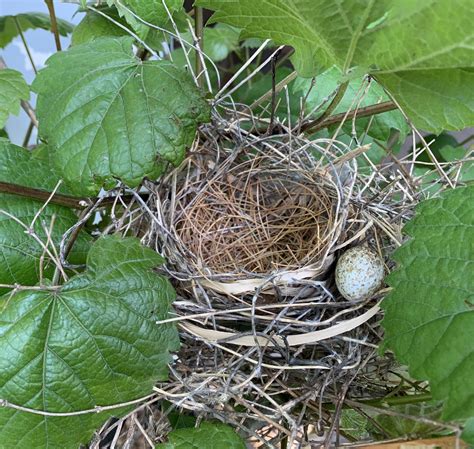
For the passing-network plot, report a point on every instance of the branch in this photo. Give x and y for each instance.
(374, 109)
(43, 195)
(60, 199)
(54, 23)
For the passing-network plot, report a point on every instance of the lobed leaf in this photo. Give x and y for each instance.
(381, 38)
(108, 116)
(92, 342)
(13, 89)
(429, 315)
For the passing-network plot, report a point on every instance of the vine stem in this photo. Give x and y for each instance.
(374, 109)
(54, 23)
(43, 195)
(199, 30)
(27, 48)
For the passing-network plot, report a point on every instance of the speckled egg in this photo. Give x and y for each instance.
(359, 273)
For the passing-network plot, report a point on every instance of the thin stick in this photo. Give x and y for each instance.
(54, 24)
(284, 82)
(27, 137)
(96, 409)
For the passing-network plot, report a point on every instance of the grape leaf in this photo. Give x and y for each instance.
(327, 83)
(13, 89)
(107, 115)
(208, 435)
(429, 315)
(422, 55)
(20, 253)
(91, 342)
(27, 21)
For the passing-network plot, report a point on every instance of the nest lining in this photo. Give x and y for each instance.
(256, 218)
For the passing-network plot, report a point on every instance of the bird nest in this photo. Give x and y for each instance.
(251, 226)
(244, 218)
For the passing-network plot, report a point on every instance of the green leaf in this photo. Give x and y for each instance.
(207, 436)
(429, 315)
(13, 89)
(151, 11)
(468, 432)
(422, 55)
(400, 427)
(219, 41)
(28, 21)
(327, 83)
(20, 252)
(94, 26)
(107, 115)
(92, 342)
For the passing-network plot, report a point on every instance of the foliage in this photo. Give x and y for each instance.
(428, 73)
(155, 12)
(94, 26)
(13, 89)
(111, 112)
(432, 333)
(107, 116)
(21, 253)
(207, 435)
(31, 20)
(93, 341)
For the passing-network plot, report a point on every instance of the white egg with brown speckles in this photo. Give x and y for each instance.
(359, 273)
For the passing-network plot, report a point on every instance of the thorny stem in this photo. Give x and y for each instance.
(54, 23)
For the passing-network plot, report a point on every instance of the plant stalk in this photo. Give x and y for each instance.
(374, 109)
(54, 23)
(199, 30)
(22, 36)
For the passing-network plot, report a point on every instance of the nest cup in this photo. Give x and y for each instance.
(245, 219)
